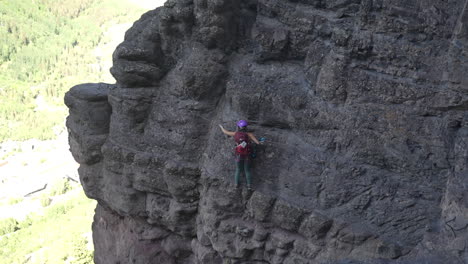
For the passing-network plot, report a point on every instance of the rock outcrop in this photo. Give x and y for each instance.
(364, 105)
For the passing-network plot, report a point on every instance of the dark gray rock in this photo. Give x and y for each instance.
(260, 206)
(364, 105)
(286, 216)
(315, 226)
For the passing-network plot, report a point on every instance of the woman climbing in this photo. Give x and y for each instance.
(242, 150)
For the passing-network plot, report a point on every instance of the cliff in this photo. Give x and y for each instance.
(364, 105)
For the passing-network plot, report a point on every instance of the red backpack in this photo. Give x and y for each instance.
(243, 143)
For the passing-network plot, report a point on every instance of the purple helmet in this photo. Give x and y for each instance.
(242, 123)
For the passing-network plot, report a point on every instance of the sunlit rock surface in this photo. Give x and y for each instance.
(364, 105)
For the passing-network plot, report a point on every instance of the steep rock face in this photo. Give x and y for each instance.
(364, 104)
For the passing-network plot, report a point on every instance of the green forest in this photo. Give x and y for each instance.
(57, 235)
(46, 48)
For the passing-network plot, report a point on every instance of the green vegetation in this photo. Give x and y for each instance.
(26, 222)
(46, 47)
(57, 236)
(80, 254)
(45, 200)
(15, 200)
(61, 186)
(8, 225)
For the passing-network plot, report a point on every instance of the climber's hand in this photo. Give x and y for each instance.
(261, 141)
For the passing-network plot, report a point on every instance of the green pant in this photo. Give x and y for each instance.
(245, 164)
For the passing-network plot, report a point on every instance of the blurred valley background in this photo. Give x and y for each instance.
(46, 47)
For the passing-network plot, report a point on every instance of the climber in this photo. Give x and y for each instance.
(242, 150)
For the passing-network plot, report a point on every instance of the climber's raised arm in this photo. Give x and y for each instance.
(229, 133)
(253, 138)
